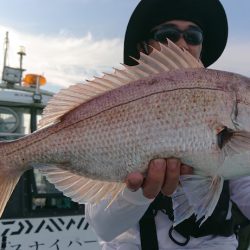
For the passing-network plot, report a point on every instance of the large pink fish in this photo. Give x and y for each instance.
(94, 134)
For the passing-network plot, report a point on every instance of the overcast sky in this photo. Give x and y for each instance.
(72, 40)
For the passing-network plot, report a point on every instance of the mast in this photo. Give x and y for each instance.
(6, 48)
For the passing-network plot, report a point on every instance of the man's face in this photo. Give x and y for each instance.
(191, 30)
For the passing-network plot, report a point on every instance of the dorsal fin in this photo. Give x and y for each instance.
(169, 57)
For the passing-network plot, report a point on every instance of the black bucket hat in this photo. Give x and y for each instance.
(209, 15)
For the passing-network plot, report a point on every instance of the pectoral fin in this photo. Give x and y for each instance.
(233, 142)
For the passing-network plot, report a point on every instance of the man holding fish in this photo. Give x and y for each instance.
(141, 217)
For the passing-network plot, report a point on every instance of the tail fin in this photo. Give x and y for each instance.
(8, 180)
(7, 185)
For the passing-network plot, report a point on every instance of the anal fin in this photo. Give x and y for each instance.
(79, 188)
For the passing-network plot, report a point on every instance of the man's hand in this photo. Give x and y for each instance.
(163, 175)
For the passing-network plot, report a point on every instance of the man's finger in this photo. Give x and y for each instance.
(185, 169)
(172, 176)
(155, 178)
(134, 181)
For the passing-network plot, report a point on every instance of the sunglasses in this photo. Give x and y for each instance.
(192, 35)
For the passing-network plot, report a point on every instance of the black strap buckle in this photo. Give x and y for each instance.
(174, 240)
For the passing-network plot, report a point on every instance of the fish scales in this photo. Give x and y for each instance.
(95, 143)
(118, 129)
